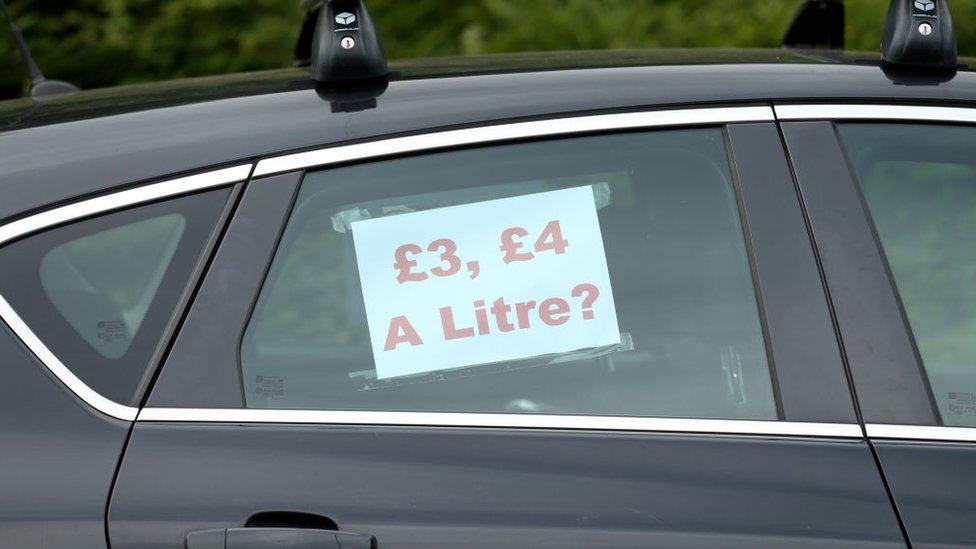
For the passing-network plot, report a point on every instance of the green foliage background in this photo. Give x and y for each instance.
(97, 43)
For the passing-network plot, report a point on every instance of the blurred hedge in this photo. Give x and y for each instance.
(96, 43)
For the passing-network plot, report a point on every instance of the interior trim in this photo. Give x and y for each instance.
(499, 420)
(85, 208)
(506, 132)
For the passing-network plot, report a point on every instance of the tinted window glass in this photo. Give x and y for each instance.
(920, 186)
(82, 279)
(598, 275)
(99, 292)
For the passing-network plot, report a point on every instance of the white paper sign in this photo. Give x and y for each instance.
(485, 282)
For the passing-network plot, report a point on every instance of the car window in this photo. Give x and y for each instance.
(80, 277)
(919, 182)
(99, 292)
(602, 275)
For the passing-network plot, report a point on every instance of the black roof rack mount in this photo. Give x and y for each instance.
(919, 34)
(346, 46)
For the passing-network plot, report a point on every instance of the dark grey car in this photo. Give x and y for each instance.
(773, 345)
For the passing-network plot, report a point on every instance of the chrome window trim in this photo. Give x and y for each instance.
(500, 420)
(921, 432)
(874, 112)
(505, 132)
(85, 208)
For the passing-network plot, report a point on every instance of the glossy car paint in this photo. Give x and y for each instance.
(59, 161)
(59, 456)
(933, 489)
(415, 488)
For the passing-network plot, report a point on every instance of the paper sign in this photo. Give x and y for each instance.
(485, 282)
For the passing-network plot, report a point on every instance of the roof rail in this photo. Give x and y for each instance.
(818, 24)
(919, 34)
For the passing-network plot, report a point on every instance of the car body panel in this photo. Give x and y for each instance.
(24, 112)
(933, 489)
(58, 161)
(414, 486)
(58, 457)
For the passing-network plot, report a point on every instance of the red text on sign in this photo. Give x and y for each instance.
(401, 331)
(499, 316)
(551, 238)
(404, 261)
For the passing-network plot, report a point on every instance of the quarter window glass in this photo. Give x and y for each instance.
(82, 279)
(920, 186)
(99, 292)
(597, 275)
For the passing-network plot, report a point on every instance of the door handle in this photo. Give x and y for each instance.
(283, 538)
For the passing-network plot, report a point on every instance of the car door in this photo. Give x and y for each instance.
(592, 331)
(891, 192)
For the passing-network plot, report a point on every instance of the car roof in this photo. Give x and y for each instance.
(21, 113)
(66, 147)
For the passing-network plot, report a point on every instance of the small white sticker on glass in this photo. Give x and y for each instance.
(485, 282)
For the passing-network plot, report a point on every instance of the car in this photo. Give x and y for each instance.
(575, 299)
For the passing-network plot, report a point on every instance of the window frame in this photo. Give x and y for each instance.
(165, 406)
(76, 211)
(894, 395)
(677, 139)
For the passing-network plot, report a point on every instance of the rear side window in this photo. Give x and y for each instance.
(99, 292)
(919, 182)
(83, 281)
(600, 275)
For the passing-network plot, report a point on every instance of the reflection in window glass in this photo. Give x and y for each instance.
(687, 342)
(102, 284)
(920, 186)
